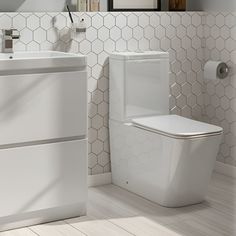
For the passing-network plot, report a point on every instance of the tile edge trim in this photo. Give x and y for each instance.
(224, 169)
(100, 179)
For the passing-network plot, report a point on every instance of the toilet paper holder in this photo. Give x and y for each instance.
(222, 70)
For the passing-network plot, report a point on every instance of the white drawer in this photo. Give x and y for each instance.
(40, 177)
(42, 106)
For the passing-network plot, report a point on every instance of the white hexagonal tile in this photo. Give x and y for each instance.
(40, 35)
(186, 20)
(121, 21)
(132, 44)
(149, 32)
(121, 45)
(127, 33)
(132, 20)
(97, 21)
(191, 100)
(220, 114)
(5, 21)
(103, 134)
(92, 110)
(33, 22)
(103, 158)
(97, 46)
(165, 20)
(115, 33)
(186, 42)
(19, 22)
(92, 59)
(220, 20)
(97, 147)
(138, 32)
(165, 44)
(97, 170)
(196, 19)
(143, 20)
(92, 135)
(26, 36)
(230, 92)
(186, 89)
(160, 32)
(91, 34)
(170, 31)
(85, 47)
(175, 20)
(33, 46)
(109, 21)
(154, 20)
(109, 46)
(103, 33)
(225, 103)
(97, 97)
(92, 160)
(103, 58)
(191, 31)
(230, 44)
(97, 122)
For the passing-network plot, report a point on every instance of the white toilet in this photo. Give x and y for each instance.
(165, 158)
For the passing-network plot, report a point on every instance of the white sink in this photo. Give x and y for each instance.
(33, 62)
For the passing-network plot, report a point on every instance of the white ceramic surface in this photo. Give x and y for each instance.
(139, 85)
(171, 172)
(170, 167)
(177, 126)
(39, 60)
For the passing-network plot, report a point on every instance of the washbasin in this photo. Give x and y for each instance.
(33, 62)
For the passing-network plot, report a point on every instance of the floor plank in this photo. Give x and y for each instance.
(97, 227)
(59, 228)
(114, 211)
(18, 232)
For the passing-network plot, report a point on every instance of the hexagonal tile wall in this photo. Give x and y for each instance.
(220, 95)
(181, 34)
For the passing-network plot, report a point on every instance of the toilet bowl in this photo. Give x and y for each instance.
(167, 159)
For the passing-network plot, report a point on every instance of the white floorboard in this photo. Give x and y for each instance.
(114, 211)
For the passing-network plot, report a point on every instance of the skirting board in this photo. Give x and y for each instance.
(97, 180)
(225, 169)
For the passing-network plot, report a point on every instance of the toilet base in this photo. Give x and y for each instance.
(168, 171)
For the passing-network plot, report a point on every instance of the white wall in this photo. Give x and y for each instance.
(35, 5)
(212, 5)
(58, 5)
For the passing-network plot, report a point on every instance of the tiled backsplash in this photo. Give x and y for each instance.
(220, 95)
(181, 34)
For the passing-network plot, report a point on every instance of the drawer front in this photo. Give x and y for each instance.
(42, 106)
(42, 177)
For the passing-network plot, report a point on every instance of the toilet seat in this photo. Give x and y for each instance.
(177, 127)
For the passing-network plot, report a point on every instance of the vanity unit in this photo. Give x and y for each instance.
(43, 138)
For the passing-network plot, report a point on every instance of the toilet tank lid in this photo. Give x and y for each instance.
(177, 126)
(139, 55)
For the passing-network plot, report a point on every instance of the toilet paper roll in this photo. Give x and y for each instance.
(216, 70)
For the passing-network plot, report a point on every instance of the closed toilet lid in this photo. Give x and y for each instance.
(177, 126)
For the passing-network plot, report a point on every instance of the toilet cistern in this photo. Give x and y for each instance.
(8, 36)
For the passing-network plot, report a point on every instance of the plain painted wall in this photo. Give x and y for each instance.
(212, 5)
(59, 5)
(35, 5)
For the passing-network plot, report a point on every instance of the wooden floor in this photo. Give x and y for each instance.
(113, 211)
